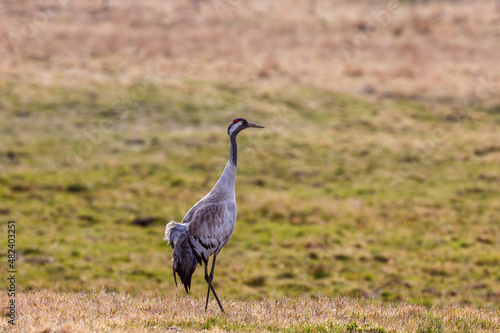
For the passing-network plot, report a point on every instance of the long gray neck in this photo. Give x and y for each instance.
(233, 156)
(226, 182)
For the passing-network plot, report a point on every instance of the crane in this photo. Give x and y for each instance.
(209, 224)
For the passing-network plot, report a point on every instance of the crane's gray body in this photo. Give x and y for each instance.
(212, 220)
(205, 229)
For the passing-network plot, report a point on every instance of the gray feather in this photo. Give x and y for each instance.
(184, 261)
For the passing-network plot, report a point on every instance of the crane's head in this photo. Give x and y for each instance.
(238, 125)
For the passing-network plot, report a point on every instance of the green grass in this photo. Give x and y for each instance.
(389, 200)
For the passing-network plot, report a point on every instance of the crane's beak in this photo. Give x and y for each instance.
(254, 125)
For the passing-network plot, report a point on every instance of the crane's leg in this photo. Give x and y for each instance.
(210, 286)
(207, 278)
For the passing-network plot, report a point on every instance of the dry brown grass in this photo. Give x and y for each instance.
(50, 311)
(439, 50)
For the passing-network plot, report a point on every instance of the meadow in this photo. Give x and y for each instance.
(99, 311)
(374, 189)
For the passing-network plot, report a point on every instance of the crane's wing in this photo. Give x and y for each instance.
(210, 227)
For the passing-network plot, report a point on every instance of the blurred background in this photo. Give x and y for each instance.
(377, 175)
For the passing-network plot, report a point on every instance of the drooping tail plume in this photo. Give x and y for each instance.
(184, 261)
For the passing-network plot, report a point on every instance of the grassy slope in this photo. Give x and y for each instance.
(45, 311)
(391, 200)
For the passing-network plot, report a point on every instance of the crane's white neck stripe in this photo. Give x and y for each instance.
(234, 127)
